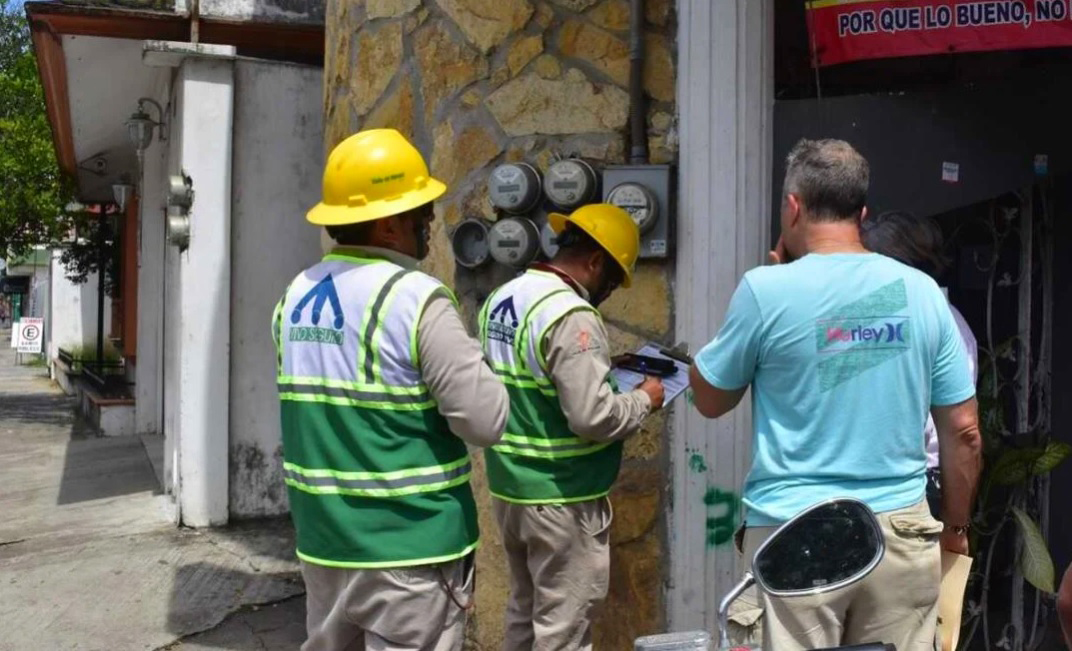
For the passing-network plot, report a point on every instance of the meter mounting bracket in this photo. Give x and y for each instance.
(658, 241)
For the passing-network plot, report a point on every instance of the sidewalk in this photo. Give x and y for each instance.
(89, 561)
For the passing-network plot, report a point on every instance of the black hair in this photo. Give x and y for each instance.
(573, 242)
(360, 234)
(915, 241)
(830, 177)
(352, 234)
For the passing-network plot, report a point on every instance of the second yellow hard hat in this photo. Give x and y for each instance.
(611, 227)
(372, 175)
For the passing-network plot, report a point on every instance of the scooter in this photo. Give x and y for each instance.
(797, 560)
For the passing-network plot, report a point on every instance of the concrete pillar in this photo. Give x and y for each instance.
(725, 97)
(207, 88)
(149, 372)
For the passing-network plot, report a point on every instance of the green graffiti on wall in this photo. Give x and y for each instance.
(696, 463)
(722, 516)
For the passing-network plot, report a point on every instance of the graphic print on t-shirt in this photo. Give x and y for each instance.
(862, 335)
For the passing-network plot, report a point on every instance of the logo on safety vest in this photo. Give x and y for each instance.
(321, 293)
(502, 322)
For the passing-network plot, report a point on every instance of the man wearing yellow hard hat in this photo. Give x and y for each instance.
(380, 389)
(551, 473)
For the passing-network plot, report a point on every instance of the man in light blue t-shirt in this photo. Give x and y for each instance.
(846, 351)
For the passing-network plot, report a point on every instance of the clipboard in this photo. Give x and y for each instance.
(955, 572)
(673, 385)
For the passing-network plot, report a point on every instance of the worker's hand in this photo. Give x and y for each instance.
(950, 541)
(779, 255)
(653, 386)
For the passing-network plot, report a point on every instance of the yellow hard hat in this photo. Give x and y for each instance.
(372, 175)
(611, 227)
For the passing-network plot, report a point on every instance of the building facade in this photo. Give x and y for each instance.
(213, 228)
(479, 83)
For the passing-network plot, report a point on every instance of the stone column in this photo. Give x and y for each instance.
(479, 82)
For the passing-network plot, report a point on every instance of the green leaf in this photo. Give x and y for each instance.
(35, 192)
(1035, 562)
(1014, 466)
(1020, 464)
(1055, 453)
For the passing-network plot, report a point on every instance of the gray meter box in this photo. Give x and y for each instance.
(656, 243)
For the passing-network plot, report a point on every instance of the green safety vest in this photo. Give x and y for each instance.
(539, 460)
(374, 474)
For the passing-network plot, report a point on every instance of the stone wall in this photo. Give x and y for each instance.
(475, 83)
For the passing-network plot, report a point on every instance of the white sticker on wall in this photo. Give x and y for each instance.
(951, 172)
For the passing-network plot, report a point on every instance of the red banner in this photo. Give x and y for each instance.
(853, 30)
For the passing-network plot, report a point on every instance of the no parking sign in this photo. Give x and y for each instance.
(31, 334)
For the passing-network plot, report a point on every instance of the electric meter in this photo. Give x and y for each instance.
(514, 241)
(570, 183)
(548, 243)
(644, 191)
(470, 243)
(638, 201)
(514, 187)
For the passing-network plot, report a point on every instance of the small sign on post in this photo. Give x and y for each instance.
(15, 334)
(31, 335)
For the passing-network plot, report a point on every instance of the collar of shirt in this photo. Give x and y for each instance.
(566, 278)
(401, 259)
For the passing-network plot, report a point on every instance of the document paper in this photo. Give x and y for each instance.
(673, 385)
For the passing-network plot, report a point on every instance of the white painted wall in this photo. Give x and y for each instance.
(73, 310)
(726, 99)
(278, 153)
(149, 372)
(207, 90)
(171, 330)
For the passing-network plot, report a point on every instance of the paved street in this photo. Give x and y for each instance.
(88, 559)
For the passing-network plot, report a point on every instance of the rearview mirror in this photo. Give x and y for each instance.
(828, 546)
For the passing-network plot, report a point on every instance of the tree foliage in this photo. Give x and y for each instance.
(81, 256)
(34, 191)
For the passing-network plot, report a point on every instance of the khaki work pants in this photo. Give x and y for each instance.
(559, 558)
(896, 604)
(401, 609)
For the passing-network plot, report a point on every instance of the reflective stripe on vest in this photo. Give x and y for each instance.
(541, 448)
(360, 377)
(539, 300)
(375, 476)
(378, 484)
(539, 460)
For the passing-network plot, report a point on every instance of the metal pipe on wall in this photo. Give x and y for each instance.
(638, 119)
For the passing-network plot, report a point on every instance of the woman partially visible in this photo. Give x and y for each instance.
(918, 242)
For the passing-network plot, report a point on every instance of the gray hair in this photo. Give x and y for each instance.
(830, 178)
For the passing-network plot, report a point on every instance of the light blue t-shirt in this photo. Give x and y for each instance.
(846, 353)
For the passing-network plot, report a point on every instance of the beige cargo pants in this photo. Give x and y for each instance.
(403, 609)
(896, 604)
(559, 558)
